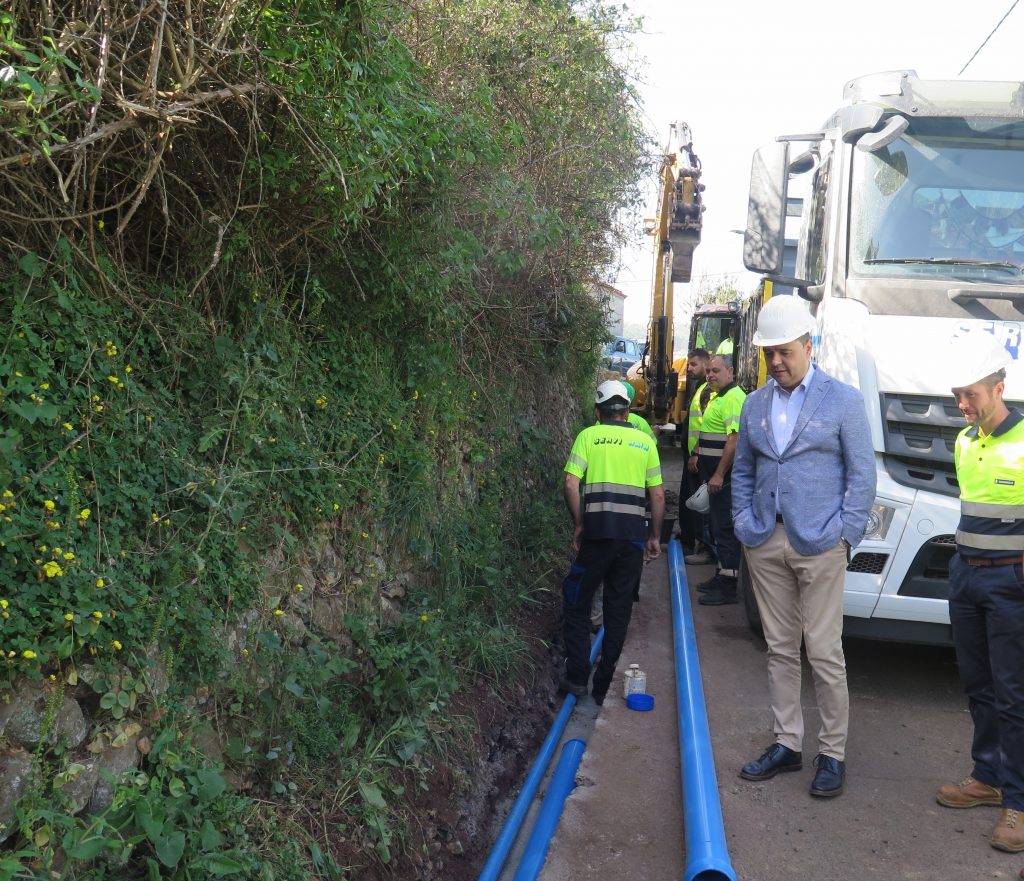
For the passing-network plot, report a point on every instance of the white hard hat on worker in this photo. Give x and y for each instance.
(781, 320)
(612, 394)
(975, 356)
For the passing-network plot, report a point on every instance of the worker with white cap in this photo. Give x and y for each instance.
(986, 585)
(620, 471)
(803, 483)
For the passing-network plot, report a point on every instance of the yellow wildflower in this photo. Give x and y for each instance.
(53, 524)
(415, 394)
(84, 514)
(68, 555)
(298, 588)
(53, 570)
(153, 516)
(113, 379)
(68, 426)
(7, 494)
(49, 504)
(115, 644)
(245, 653)
(4, 604)
(424, 618)
(97, 615)
(95, 398)
(336, 506)
(44, 386)
(366, 535)
(321, 402)
(100, 224)
(278, 613)
(69, 616)
(127, 368)
(100, 582)
(28, 654)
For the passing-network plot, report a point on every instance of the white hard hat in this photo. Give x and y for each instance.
(781, 320)
(699, 501)
(610, 389)
(974, 356)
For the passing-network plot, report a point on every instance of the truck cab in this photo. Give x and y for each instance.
(911, 234)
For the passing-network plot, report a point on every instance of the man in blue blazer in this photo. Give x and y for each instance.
(803, 483)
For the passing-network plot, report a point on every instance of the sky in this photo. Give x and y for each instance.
(741, 72)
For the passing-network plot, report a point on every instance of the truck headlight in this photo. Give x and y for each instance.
(878, 522)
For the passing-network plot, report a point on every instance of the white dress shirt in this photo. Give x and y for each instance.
(785, 412)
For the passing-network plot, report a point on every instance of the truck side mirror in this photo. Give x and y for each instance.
(764, 237)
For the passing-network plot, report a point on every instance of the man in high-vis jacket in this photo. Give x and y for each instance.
(691, 524)
(716, 449)
(986, 586)
(620, 471)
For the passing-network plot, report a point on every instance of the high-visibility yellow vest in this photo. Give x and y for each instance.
(616, 464)
(721, 419)
(990, 470)
(707, 395)
(638, 421)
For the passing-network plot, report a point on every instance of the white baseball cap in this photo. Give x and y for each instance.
(610, 389)
(781, 320)
(974, 356)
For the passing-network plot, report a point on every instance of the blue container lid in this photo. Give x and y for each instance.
(641, 702)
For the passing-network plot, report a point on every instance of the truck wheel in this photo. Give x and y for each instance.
(749, 601)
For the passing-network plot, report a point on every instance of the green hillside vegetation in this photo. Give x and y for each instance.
(297, 333)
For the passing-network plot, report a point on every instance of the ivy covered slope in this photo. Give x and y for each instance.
(296, 320)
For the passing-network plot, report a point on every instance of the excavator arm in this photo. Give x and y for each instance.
(677, 231)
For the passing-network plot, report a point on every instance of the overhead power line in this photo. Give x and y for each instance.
(989, 37)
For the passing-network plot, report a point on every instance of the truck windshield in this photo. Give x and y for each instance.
(944, 201)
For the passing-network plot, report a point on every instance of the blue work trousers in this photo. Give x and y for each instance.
(986, 609)
(619, 564)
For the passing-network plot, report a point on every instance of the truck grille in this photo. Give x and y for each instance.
(869, 564)
(920, 434)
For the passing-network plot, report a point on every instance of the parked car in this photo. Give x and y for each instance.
(622, 353)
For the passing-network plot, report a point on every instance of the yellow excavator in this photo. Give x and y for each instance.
(676, 231)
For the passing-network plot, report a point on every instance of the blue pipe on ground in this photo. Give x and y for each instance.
(707, 856)
(514, 820)
(563, 781)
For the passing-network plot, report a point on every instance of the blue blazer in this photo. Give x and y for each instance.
(825, 477)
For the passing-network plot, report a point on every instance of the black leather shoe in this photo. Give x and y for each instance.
(775, 759)
(828, 779)
(718, 598)
(713, 583)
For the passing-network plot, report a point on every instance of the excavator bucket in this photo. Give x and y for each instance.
(683, 244)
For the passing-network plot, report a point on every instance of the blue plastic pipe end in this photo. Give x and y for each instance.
(510, 830)
(563, 781)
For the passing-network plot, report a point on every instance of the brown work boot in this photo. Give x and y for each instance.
(1009, 832)
(969, 793)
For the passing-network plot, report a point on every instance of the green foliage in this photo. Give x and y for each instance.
(324, 288)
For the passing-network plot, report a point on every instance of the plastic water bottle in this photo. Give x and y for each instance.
(634, 681)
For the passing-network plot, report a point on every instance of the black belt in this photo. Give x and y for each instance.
(991, 561)
(778, 519)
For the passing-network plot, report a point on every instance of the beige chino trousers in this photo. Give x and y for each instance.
(802, 597)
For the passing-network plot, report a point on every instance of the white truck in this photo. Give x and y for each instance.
(912, 232)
